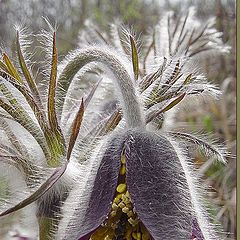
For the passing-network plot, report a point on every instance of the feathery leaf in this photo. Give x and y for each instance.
(208, 147)
(170, 105)
(31, 83)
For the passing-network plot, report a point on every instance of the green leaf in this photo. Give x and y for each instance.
(188, 79)
(52, 116)
(52, 89)
(75, 129)
(174, 102)
(11, 69)
(48, 184)
(134, 57)
(55, 145)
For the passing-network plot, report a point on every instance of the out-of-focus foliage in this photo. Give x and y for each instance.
(70, 15)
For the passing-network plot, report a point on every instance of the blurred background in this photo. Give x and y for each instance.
(216, 117)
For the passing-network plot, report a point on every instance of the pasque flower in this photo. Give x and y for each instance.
(139, 184)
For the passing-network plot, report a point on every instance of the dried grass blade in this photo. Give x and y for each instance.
(146, 55)
(21, 148)
(183, 27)
(199, 35)
(169, 36)
(100, 35)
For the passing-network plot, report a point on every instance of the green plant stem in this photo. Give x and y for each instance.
(45, 226)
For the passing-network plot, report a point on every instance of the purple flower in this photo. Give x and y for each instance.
(140, 192)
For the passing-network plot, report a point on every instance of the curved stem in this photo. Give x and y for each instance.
(131, 108)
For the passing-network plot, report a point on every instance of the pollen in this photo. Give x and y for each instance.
(122, 222)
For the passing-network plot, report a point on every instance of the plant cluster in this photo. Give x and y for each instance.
(76, 163)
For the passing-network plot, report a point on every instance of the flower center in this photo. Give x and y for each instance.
(122, 222)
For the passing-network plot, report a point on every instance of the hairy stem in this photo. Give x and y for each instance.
(129, 100)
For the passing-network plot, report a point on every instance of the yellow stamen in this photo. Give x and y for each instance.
(125, 210)
(123, 159)
(121, 205)
(122, 170)
(139, 236)
(121, 187)
(117, 199)
(113, 213)
(107, 238)
(132, 221)
(130, 214)
(114, 206)
(145, 236)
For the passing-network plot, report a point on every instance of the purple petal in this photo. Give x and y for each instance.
(87, 237)
(158, 187)
(101, 196)
(196, 231)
